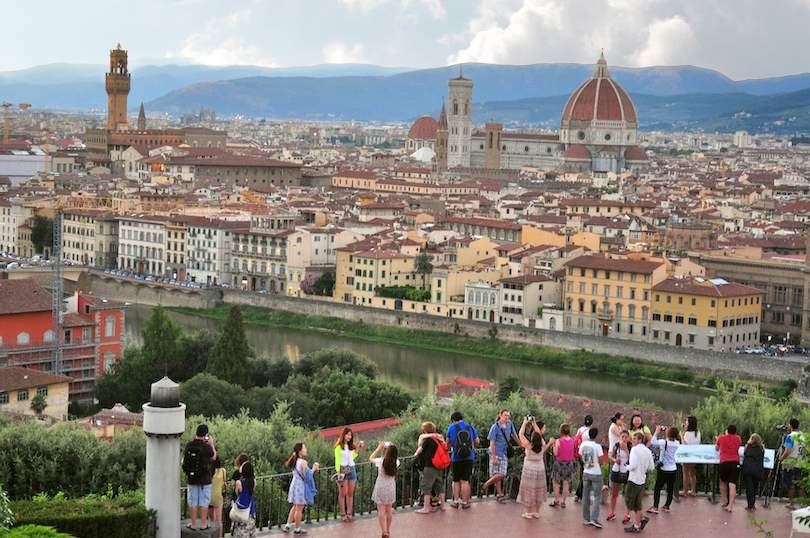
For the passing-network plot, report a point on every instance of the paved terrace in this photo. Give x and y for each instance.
(691, 518)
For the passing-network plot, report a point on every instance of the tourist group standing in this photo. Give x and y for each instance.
(633, 452)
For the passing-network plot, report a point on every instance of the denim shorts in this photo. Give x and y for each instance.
(351, 476)
(199, 495)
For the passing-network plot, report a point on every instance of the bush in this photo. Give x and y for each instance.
(753, 412)
(124, 516)
(67, 459)
(34, 531)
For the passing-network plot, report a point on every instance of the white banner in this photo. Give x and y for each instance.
(707, 454)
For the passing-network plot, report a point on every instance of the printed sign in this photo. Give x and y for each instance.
(707, 454)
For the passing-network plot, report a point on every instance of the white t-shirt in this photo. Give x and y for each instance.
(614, 438)
(590, 453)
(347, 456)
(667, 456)
(691, 438)
(622, 457)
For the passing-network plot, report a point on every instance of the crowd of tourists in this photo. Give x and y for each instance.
(633, 453)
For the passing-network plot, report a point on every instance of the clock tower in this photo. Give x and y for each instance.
(117, 90)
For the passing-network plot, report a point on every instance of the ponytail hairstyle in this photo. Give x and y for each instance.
(294, 458)
(537, 442)
(249, 476)
(615, 418)
(389, 464)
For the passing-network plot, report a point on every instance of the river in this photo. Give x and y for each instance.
(423, 369)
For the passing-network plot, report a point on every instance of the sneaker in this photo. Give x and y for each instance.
(625, 520)
(299, 531)
(611, 516)
(287, 527)
(644, 522)
(586, 522)
(652, 510)
(665, 509)
(596, 524)
(632, 528)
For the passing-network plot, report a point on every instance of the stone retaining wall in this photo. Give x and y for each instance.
(730, 366)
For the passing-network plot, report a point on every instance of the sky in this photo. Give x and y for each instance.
(742, 39)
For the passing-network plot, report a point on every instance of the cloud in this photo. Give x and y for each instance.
(207, 47)
(338, 53)
(435, 7)
(670, 42)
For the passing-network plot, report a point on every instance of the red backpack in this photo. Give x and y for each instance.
(578, 442)
(441, 459)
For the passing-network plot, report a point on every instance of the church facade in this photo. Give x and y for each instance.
(598, 133)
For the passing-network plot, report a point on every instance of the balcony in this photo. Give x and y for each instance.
(605, 315)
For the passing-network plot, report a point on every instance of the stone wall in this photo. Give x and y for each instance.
(731, 366)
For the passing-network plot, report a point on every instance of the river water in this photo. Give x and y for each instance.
(422, 369)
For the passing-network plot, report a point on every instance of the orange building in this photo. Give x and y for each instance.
(27, 338)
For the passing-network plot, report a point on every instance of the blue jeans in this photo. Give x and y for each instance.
(591, 481)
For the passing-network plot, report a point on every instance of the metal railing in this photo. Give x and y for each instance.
(272, 508)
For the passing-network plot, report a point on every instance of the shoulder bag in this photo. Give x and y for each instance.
(510, 450)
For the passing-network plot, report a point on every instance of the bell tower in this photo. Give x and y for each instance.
(459, 120)
(442, 133)
(117, 90)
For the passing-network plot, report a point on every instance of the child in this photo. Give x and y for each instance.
(385, 489)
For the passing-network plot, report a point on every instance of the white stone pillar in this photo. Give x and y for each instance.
(164, 421)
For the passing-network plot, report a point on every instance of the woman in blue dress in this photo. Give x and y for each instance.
(297, 495)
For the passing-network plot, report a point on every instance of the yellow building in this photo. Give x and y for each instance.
(610, 297)
(18, 386)
(705, 314)
(539, 236)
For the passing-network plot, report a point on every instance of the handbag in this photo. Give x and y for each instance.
(239, 515)
(659, 464)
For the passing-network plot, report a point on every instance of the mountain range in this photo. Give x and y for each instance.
(667, 98)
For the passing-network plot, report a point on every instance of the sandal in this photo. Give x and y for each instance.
(527, 515)
(562, 504)
(555, 504)
(501, 499)
(344, 518)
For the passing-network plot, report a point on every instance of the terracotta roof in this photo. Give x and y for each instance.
(577, 151)
(424, 128)
(600, 262)
(73, 319)
(19, 296)
(16, 378)
(600, 98)
(707, 288)
(635, 153)
(525, 279)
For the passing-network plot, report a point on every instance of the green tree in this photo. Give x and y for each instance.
(509, 384)
(209, 396)
(38, 404)
(325, 285)
(335, 358)
(229, 358)
(162, 341)
(42, 233)
(264, 372)
(194, 356)
(423, 265)
(350, 398)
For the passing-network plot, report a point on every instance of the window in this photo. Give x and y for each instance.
(594, 289)
(656, 316)
(667, 335)
(668, 318)
(712, 323)
(669, 298)
(607, 290)
(23, 338)
(694, 301)
(691, 338)
(22, 395)
(714, 303)
(632, 293)
(581, 288)
(655, 334)
(692, 320)
(3, 398)
(607, 275)
(619, 291)
(679, 318)
(631, 312)
(657, 297)
(42, 391)
(680, 300)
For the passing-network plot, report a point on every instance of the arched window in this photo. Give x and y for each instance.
(645, 312)
(109, 360)
(23, 338)
(455, 113)
(48, 336)
(552, 324)
(470, 297)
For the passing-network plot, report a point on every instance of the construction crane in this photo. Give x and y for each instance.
(6, 105)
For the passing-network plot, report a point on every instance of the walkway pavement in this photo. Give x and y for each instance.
(692, 518)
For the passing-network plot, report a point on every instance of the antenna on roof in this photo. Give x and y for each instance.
(461, 70)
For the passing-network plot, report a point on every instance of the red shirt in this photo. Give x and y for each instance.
(729, 447)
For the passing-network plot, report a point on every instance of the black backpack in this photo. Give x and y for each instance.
(194, 461)
(463, 448)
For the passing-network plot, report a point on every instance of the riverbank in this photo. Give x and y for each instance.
(492, 347)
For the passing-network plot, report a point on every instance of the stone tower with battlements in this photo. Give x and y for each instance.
(459, 121)
(117, 90)
(492, 146)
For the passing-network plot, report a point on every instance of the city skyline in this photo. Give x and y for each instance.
(741, 40)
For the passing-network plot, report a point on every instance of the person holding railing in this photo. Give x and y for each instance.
(432, 478)
(753, 467)
(729, 445)
(245, 489)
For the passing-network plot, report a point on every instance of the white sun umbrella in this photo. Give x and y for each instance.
(424, 154)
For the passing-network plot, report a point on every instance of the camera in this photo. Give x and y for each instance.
(387, 444)
(781, 428)
(530, 417)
